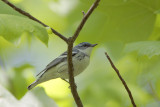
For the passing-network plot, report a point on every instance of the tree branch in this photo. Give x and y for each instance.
(71, 75)
(70, 46)
(122, 80)
(33, 18)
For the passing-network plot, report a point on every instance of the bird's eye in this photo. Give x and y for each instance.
(85, 45)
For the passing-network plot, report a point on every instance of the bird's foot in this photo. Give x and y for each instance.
(68, 83)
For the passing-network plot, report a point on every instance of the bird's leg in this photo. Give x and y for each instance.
(67, 82)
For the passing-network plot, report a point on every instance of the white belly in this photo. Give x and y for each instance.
(79, 64)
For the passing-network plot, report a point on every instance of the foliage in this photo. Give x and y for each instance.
(11, 29)
(129, 30)
(149, 48)
(36, 98)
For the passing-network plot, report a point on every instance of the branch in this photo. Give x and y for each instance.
(70, 46)
(83, 13)
(122, 80)
(86, 16)
(71, 75)
(33, 18)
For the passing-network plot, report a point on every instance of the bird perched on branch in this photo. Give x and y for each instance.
(58, 68)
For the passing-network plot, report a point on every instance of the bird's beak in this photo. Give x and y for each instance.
(93, 45)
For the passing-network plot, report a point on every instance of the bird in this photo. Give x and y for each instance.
(58, 68)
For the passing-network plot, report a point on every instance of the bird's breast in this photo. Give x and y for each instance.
(80, 63)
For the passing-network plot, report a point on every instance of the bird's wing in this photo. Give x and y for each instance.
(58, 60)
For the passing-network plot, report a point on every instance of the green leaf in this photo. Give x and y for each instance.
(122, 20)
(12, 27)
(34, 98)
(19, 81)
(5, 9)
(149, 48)
(156, 32)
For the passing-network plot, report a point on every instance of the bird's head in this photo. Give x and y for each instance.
(85, 47)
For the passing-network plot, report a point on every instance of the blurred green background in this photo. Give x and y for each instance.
(129, 30)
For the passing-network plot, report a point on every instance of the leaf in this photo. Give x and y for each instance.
(12, 27)
(4, 44)
(122, 20)
(18, 82)
(156, 32)
(5, 9)
(34, 98)
(149, 48)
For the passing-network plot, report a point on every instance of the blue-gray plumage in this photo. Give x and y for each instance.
(58, 68)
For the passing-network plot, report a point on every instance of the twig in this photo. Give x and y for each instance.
(83, 13)
(33, 18)
(86, 16)
(122, 80)
(70, 46)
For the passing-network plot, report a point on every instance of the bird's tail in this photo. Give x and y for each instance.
(33, 85)
(42, 79)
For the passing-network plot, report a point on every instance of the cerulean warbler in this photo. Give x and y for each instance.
(58, 68)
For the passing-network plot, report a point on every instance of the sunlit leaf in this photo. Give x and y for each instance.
(12, 27)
